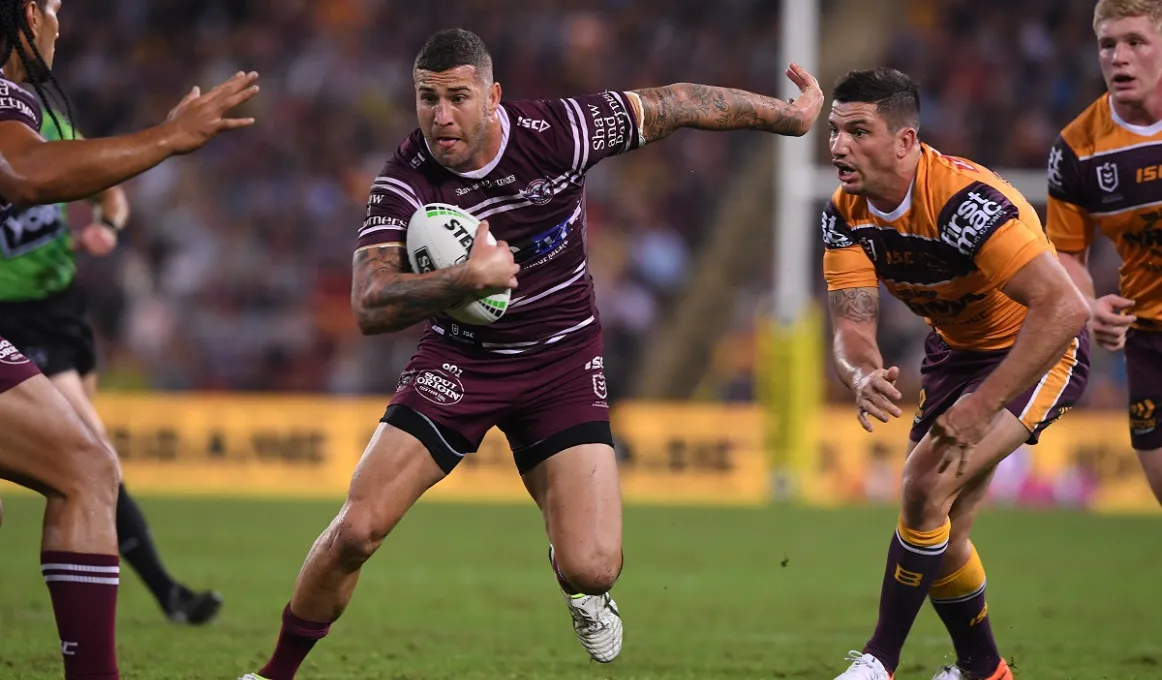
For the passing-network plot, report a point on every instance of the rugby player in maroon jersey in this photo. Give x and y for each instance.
(537, 373)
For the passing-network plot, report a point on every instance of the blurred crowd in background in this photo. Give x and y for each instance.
(234, 273)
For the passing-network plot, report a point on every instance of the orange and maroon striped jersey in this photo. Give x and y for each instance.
(1104, 172)
(947, 251)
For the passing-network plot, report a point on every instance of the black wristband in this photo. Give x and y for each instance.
(109, 223)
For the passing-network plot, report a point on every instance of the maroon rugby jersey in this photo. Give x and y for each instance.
(533, 196)
(20, 105)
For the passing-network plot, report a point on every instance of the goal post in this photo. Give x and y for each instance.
(790, 357)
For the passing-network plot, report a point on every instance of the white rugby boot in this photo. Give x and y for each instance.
(864, 667)
(252, 676)
(596, 622)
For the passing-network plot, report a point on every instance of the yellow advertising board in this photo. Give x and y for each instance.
(676, 453)
(261, 445)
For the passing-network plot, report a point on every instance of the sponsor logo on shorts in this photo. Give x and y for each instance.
(438, 387)
(1143, 419)
(10, 355)
(920, 407)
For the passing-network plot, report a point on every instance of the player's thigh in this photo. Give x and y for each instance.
(968, 501)
(72, 386)
(579, 494)
(924, 484)
(90, 383)
(393, 472)
(45, 446)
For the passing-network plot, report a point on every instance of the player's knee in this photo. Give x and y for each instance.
(593, 568)
(922, 500)
(94, 473)
(357, 535)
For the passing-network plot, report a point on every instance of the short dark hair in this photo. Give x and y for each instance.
(896, 96)
(454, 47)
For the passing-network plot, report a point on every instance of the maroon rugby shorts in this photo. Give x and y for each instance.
(947, 374)
(544, 401)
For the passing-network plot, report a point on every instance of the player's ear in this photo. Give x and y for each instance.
(906, 141)
(493, 98)
(32, 15)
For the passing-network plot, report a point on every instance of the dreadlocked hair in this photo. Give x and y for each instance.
(14, 24)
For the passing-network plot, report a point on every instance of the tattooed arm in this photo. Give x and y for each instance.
(387, 298)
(704, 107)
(854, 315)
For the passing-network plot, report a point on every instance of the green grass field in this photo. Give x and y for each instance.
(464, 592)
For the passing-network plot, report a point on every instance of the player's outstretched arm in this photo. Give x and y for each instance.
(386, 297)
(854, 317)
(36, 172)
(1057, 313)
(705, 107)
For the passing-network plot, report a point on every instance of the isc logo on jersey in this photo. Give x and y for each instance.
(441, 235)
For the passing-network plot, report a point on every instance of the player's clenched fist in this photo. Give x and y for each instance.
(876, 394)
(198, 117)
(1110, 321)
(491, 264)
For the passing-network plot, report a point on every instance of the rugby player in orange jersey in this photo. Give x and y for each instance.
(1007, 354)
(1105, 171)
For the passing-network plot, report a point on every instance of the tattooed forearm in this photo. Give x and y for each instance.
(704, 107)
(854, 313)
(859, 305)
(386, 298)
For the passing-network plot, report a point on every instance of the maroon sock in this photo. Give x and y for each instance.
(960, 600)
(84, 599)
(295, 641)
(913, 560)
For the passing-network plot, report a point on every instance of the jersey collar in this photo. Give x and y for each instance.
(1141, 130)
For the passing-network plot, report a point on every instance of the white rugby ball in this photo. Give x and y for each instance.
(441, 235)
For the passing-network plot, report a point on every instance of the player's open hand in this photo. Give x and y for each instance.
(876, 396)
(1111, 321)
(958, 430)
(491, 263)
(806, 107)
(199, 117)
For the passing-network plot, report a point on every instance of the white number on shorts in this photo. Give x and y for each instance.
(454, 370)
